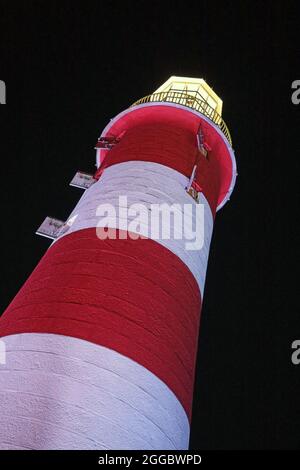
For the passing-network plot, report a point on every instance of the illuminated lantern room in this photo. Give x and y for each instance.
(194, 93)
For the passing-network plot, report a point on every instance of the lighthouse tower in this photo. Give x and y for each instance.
(101, 341)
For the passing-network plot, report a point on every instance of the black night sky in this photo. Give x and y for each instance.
(71, 66)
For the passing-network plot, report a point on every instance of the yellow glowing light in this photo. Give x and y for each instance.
(193, 87)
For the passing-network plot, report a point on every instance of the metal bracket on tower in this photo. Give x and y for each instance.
(195, 194)
(54, 228)
(191, 178)
(50, 228)
(107, 142)
(103, 145)
(82, 180)
(193, 188)
(203, 147)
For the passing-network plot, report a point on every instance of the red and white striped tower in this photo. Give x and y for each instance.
(101, 340)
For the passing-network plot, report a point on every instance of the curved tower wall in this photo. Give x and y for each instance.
(101, 340)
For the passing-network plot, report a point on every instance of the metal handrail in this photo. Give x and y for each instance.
(192, 100)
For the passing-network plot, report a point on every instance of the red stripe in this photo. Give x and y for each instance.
(133, 296)
(167, 135)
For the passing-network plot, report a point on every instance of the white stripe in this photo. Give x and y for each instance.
(147, 183)
(230, 150)
(59, 392)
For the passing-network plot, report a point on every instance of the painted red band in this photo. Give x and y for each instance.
(171, 146)
(167, 135)
(132, 296)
